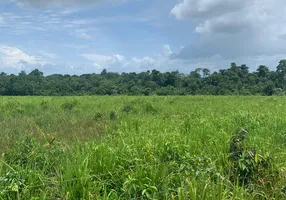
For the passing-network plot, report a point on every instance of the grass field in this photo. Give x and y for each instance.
(142, 148)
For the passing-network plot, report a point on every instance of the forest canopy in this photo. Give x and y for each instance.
(236, 80)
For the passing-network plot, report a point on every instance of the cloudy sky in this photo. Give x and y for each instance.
(86, 36)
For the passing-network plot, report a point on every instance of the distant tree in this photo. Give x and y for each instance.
(36, 72)
(103, 72)
(206, 72)
(263, 71)
(281, 72)
(235, 80)
(269, 88)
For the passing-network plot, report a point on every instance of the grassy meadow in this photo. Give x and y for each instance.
(142, 148)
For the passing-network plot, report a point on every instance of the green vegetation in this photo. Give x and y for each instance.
(143, 147)
(237, 80)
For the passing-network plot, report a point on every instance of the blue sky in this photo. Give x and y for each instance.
(86, 36)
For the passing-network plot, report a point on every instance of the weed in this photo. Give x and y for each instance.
(112, 115)
(247, 166)
(128, 108)
(69, 105)
(98, 116)
(150, 108)
(44, 105)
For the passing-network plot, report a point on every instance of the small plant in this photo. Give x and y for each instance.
(31, 152)
(69, 105)
(44, 105)
(13, 184)
(150, 108)
(128, 108)
(98, 116)
(112, 116)
(248, 167)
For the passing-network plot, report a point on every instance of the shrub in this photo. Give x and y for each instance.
(150, 108)
(98, 116)
(128, 108)
(247, 166)
(69, 105)
(112, 116)
(44, 105)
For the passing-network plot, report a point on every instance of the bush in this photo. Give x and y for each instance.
(69, 105)
(112, 116)
(98, 116)
(44, 105)
(150, 108)
(26, 162)
(127, 108)
(247, 166)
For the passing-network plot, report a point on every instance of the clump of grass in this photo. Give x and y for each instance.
(150, 108)
(127, 108)
(44, 105)
(69, 105)
(112, 116)
(98, 116)
(14, 107)
(27, 164)
(248, 168)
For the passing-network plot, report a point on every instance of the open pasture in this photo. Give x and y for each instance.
(142, 147)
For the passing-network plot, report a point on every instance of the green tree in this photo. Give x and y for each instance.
(263, 71)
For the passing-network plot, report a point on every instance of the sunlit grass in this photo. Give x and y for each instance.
(135, 147)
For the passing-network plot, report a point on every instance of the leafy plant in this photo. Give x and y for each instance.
(69, 105)
(112, 115)
(98, 116)
(247, 166)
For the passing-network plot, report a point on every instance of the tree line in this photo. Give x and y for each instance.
(236, 80)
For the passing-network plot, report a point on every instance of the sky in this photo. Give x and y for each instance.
(87, 36)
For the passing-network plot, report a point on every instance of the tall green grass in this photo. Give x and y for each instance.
(138, 147)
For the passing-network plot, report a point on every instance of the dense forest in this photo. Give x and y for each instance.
(236, 80)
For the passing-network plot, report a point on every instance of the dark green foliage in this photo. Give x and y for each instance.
(113, 116)
(24, 154)
(98, 116)
(150, 108)
(44, 105)
(247, 166)
(129, 107)
(13, 184)
(69, 105)
(236, 80)
(32, 156)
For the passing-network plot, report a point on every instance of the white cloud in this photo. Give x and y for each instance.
(52, 3)
(234, 28)
(12, 57)
(75, 46)
(118, 62)
(230, 15)
(2, 21)
(206, 8)
(167, 50)
(48, 55)
(82, 34)
(160, 61)
(59, 3)
(104, 61)
(224, 24)
(14, 60)
(145, 60)
(98, 58)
